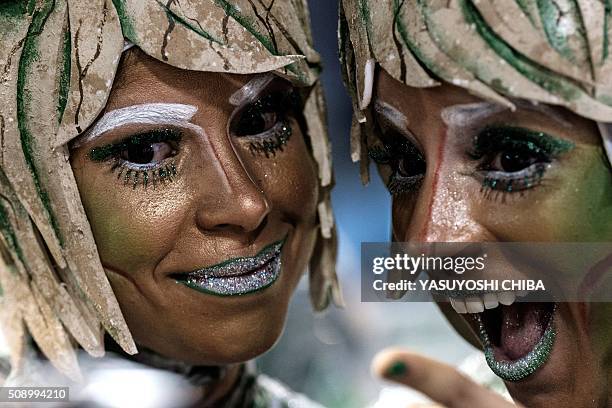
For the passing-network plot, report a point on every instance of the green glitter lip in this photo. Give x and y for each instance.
(237, 276)
(522, 368)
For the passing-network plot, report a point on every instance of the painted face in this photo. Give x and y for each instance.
(464, 170)
(201, 194)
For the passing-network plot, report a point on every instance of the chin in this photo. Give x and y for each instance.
(544, 352)
(214, 336)
(573, 375)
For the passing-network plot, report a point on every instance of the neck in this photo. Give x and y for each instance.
(213, 384)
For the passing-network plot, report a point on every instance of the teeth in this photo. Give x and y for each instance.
(474, 304)
(490, 300)
(506, 298)
(478, 303)
(458, 305)
(521, 293)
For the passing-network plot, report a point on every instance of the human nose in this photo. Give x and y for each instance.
(231, 200)
(243, 208)
(445, 211)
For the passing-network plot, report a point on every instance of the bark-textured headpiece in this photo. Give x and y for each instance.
(552, 51)
(58, 60)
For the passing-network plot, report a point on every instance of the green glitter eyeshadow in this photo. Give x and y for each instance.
(537, 147)
(495, 138)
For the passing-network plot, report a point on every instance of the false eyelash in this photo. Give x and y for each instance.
(397, 186)
(504, 197)
(269, 146)
(527, 178)
(387, 155)
(103, 153)
(380, 154)
(145, 177)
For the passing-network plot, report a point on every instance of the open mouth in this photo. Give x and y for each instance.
(238, 276)
(518, 337)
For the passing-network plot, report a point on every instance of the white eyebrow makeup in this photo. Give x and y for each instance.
(465, 114)
(462, 115)
(163, 114)
(392, 114)
(395, 118)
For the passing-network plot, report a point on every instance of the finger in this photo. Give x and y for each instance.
(440, 382)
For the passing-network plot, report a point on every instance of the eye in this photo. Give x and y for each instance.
(514, 158)
(142, 159)
(513, 161)
(411, 165)
(407, 164)
(147, 153)
(260, 116)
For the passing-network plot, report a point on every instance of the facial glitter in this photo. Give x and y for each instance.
(523, 367)
(239, 276)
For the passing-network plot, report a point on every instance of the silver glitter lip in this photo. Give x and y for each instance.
(525, 366)
(238, 276)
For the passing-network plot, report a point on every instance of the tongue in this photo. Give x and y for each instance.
(522, 326)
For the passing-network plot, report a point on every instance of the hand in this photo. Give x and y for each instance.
(440, 382)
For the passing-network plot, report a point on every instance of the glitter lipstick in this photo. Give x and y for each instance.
(238, 276)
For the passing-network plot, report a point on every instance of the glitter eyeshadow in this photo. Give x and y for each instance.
(539, 146)
(525, 366)
(494, 138)
(238, 276)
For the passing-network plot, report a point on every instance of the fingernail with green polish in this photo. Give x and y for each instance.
(397, 369)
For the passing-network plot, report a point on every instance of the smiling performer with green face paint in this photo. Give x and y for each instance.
(489, 121)
(164, 182)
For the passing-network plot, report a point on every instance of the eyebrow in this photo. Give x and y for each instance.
(395, 118)
(392, 114)
(461, 115)
(250, 91)
(143, 114)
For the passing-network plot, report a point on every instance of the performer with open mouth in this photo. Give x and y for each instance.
(487, 120)
(164, 176)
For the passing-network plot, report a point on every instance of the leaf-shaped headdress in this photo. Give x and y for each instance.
(57, 64)
(552, 51)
